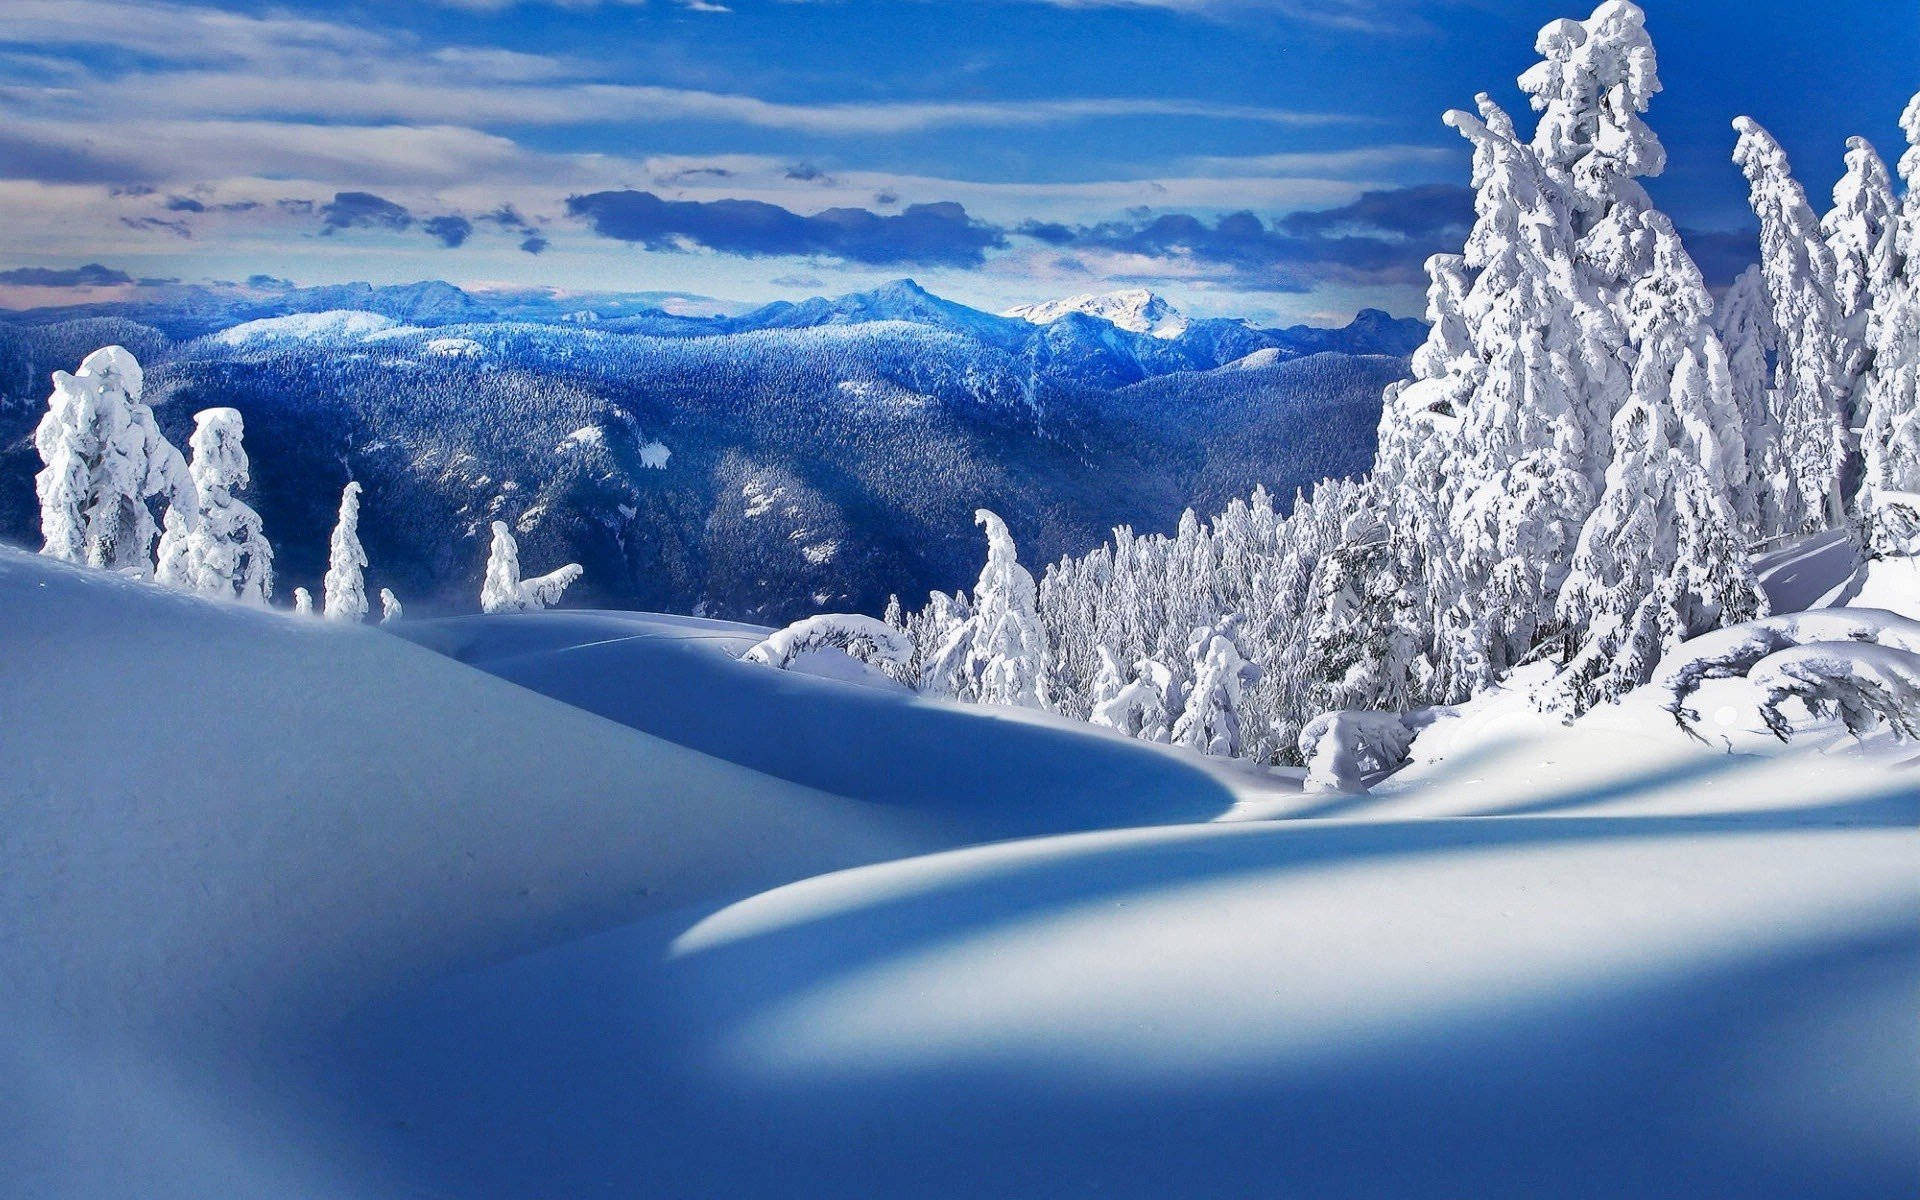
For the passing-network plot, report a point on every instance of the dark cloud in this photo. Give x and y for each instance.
(1722, 254)
(1382, 238)
(886, 199)
(450, 230)
(298, 208)
(808, 173)
(176, 228)
(941, 234)
(91, 275)
(350, 210)
(507, 217)
(185, 204)
(1412, 212)
(270, 283)
(533, 243)
(1051, 232)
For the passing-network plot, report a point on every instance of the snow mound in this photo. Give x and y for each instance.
(276, 820)
(337, 324)
(1135, 310)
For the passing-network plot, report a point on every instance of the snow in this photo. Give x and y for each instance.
(655, 917)
(455, 347)
(340, 323)
(1135, 310)
(654, 455)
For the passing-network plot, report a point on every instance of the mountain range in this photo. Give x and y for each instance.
(763, 465)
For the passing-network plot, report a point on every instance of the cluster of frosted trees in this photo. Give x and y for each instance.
(107, 466)
(1587, 453)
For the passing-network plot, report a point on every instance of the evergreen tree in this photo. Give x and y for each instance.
(1891, 388)
(105, 459)
(222, 551)
(504, 591)
(1810, 394)
(345, 587)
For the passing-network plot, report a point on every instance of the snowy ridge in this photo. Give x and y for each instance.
(338, 323)
(1135, 310)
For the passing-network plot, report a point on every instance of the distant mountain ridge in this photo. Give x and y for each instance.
(1107, 340)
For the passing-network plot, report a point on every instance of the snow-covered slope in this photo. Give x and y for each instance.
(294, 909)
(343, 323)
(223, 828)
(1135, 310)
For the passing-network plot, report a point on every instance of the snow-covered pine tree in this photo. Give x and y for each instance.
(1212, 721)
(345, 586)
(1007, 654)
(1366, 643)
(1520, 489)
(390, 607)
(1744, 321)
(1892, 382)
(942, 635)
(504, 591)
(1810, 394)
(1659, 561)
(222, 552)
(1860, 230)
(105, 459)
(302, 602)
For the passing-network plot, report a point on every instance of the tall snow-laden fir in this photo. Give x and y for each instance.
(1006, 657)
(1810, 396)
(221, 551)
(345, 587)
(105, 460)
(1891, 383)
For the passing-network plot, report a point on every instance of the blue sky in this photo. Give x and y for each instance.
(1279, 159)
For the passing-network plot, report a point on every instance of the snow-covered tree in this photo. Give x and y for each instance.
(390, 607)
(222, 551)
(302, 602)
(1891, 385)
(504, 591)
(1212, 720)
(1811, 396)
(861, 638)
(1007, 652)
(1744, 321)
(345, 587)
(1595, 80)
(1659, 560)
(942, 634)
(105, 460)
(1140, 707)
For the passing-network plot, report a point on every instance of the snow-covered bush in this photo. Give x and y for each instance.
(1346, 751)
(345, 587)
(861, 638)
(504, 591)
(105, 459)
(1140, 707)
(1861, 665)
(222, 551)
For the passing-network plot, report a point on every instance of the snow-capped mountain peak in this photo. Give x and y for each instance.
(1136, 310)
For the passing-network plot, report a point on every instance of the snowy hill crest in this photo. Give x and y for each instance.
(1135, 310)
